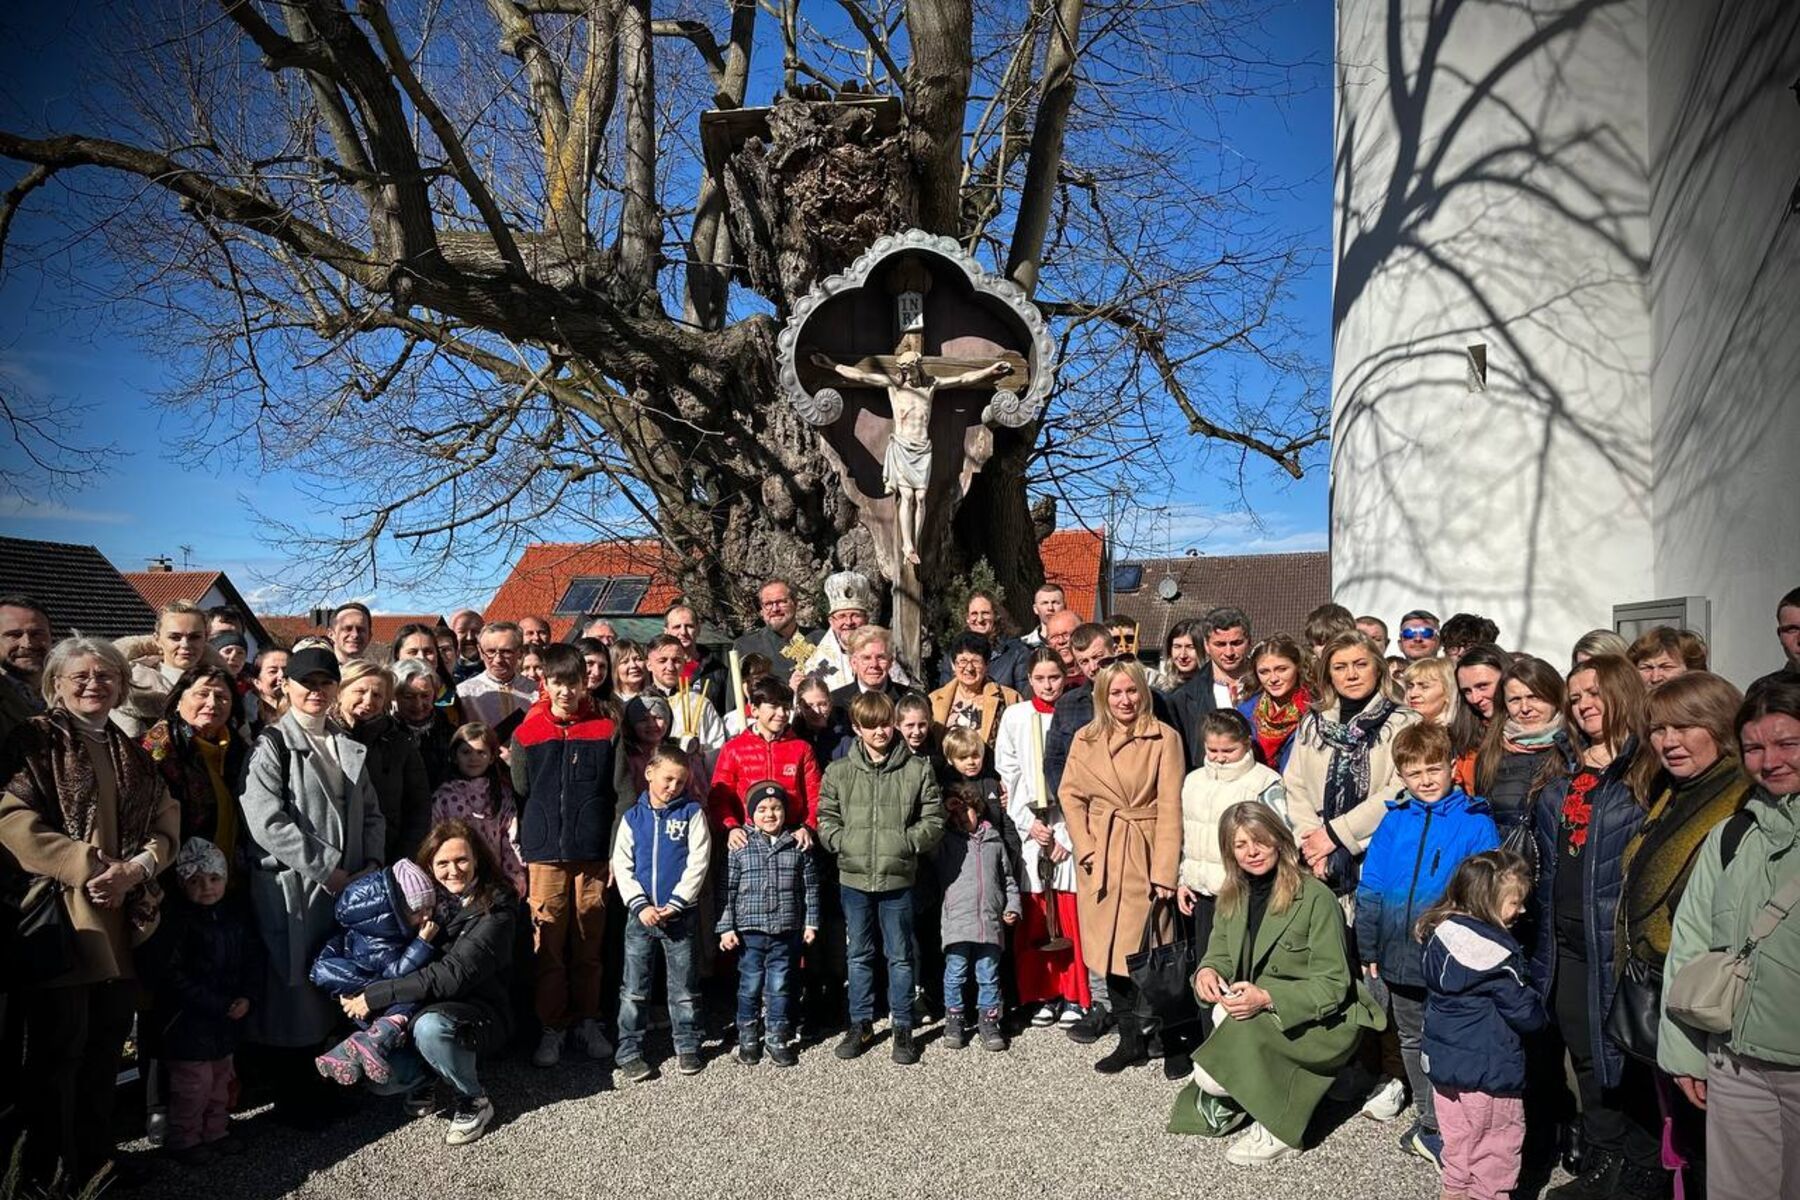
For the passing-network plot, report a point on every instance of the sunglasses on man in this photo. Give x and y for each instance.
(1422, 633)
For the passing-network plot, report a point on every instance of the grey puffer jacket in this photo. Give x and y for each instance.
(975, 872)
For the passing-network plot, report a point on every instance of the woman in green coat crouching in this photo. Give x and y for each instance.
(1289, 1012)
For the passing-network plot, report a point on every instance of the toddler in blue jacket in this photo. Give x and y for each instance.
(1426, 833)
(384, 932)
(1479, 1001)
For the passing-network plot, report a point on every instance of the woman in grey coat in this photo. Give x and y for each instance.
(311, 814)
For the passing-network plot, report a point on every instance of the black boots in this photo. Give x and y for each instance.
(1130, 1051)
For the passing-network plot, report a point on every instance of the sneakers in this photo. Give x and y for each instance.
(156, 1125)
(634, 1070)
(956, 1034)
(1070, 1015)
(1427, 1144)
(906, 1050)
(992, 1037)
(859, 1037)
(1091, 1027)
(1386, 1102)
(549, 1049)
(782, 1052)
(469, 1120)
(1047, 1014)
(689, 1062)
(1257, 1148)
(593, 1040)
(749, 1051)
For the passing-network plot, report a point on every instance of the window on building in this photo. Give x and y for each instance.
(1128, 577)
(1682, 612)
(603, 594)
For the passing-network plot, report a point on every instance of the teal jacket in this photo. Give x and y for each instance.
(1715, 914)
(879, 819)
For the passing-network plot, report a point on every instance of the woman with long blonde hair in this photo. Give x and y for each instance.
(1289, 1010)
(1121, 799)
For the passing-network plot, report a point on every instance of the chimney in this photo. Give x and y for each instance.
(321, 617)
(161, 565)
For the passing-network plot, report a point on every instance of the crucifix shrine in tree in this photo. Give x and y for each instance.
(904, 364)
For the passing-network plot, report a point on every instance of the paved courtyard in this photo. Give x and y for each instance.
(1036, 1121)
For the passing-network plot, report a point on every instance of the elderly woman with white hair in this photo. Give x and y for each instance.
(91, 824)
(394, 765)
(429, 724)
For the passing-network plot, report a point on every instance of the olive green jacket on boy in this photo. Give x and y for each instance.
(879, 818)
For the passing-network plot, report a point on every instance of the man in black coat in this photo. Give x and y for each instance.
(1223, 682)
(775, 602)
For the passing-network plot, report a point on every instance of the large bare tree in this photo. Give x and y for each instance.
(465, 263)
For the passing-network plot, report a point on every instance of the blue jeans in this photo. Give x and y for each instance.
(431, 1049)
(957, 957)
(677, 942)
(893, 910)
(763, 967)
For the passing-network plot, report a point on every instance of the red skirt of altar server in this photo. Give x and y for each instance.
(1058, 976)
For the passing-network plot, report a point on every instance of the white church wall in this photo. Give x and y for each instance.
(1725, 305)
(1492, 189)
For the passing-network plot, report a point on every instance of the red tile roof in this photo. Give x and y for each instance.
(1075, 558)
(541, 577)
(1275, 591)
(162, 587)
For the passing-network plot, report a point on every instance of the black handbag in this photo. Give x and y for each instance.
(45, 942)
(1636, 1010)
(1163, 973)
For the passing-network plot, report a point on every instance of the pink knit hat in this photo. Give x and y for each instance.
(415, 885)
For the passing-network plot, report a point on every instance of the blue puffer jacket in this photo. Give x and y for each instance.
(1411, 858)
(1477, 1003)
(1613, 820)
(374, 938)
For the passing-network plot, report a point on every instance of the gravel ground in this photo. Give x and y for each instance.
(1036, 1121)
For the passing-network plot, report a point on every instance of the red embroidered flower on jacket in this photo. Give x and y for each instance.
(1577, 810)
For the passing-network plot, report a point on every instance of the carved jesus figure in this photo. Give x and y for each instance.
(906, 467)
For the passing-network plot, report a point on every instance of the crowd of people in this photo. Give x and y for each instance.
(1450, 882)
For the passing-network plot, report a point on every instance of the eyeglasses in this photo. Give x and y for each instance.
(1421, 634)
(777, 603)
(487, 652)
(82, 680)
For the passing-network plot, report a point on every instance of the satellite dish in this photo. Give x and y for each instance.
(1168, 589)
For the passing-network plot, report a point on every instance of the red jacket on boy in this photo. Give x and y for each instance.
(749, 758)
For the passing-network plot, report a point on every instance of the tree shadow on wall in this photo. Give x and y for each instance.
(1502, 203)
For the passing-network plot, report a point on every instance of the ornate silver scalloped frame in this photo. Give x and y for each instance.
(1006, 408)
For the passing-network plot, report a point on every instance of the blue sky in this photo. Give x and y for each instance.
(146, 505)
